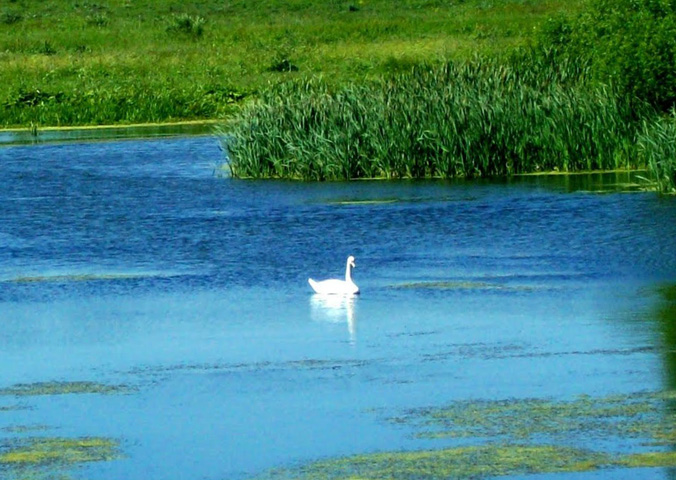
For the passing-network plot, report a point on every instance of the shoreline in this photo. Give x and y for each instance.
(92, 133)
(110, 126)
(10, 137)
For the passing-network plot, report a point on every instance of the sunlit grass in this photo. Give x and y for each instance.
(68, 48)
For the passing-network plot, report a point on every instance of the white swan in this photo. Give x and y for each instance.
(335, 286)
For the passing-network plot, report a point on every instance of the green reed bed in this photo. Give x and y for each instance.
(658, 147)
(472, 119)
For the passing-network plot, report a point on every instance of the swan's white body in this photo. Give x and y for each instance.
(335, 286)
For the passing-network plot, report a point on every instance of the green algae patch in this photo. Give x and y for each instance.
(26, 428)
(61, 451)
(53, 458)
(448, 285)
(649, 459)
(497, 438)
(87, 277)
(472, 462)
(12, 408)
(364, 202)
(643, 416)
(64, 388)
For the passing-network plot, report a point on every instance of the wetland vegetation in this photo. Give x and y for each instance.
(353, 89)
(488, 438)
(63, 388)
(30, 453)
(520, 436)
(43, 458)
(590, 91)
(475, 119)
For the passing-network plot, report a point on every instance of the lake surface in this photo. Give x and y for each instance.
(140, 264)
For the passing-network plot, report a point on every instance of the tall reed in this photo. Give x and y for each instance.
(657, 144)
(478, 118)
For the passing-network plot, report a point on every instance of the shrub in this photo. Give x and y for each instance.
(9, 17)
(282, 65)
(187, 25)
(628, 44)
(46, 48)
(98, 20)
(32, 98)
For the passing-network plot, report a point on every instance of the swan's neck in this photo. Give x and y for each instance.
(348, 273)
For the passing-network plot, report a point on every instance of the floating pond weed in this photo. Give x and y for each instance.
(27, 456)
(53, 457)
(517, 437)
(43, 451)
(25, 428)
(644, 416)
(64, 388)
(485, 461)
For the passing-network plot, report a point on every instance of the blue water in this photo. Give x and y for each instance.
(140, 263)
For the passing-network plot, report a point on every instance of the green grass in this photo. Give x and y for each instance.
(124, 61)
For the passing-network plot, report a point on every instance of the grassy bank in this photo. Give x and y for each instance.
(138, 61)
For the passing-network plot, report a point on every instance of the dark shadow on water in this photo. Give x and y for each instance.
(666, 316)
(595, 182)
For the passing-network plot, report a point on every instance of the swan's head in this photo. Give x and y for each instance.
(350, 261)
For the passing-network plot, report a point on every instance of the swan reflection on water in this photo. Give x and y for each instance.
(335, 309)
